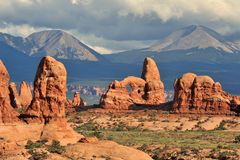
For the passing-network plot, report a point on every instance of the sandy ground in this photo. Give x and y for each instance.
(159, 120)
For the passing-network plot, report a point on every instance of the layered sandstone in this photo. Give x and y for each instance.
(154, 88)
(7, 113)
(48, 104)
(200, 94)
(77, 100)
(49, 91)
(25, 94)
(131, 91)
(14, 96)
(22, 99)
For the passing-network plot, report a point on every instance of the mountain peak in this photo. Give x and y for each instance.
(194, 36)
(56, 43)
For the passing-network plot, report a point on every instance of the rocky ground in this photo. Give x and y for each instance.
(164, 135)
(200, 123)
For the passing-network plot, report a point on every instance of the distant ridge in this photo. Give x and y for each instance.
(55, 43)
(192, 43)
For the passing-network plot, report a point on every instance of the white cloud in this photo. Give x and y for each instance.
(20, 30)
(210, 10)
(102, 50)
(118, 25)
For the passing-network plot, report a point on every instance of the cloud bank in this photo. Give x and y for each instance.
(115, 25)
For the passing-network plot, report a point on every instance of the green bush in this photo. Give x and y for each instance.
(32, 145)
(221, 125)
(55, 147)
(38, 155)
(237, 139)
(89, 126)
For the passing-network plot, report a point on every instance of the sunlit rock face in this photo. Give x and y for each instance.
(49, 100)
(200, 94)
(49, 91)
(7, 113)
(131, 91)
(77, 100)
(20, 99)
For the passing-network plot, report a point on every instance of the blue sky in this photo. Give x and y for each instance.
(116, 25)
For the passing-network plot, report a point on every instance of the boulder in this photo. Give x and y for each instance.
(7, 113)
(131, 91)
(200, 94)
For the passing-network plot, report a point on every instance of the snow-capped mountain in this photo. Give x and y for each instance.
(55, 43)
(194, 36)
(194, 43)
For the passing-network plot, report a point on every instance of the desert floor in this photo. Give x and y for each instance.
(162, 134)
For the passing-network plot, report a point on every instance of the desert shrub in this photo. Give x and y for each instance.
(226, 155)
(55, 147)
(143, 148)
(98, 134)
(141, 119)
(21, 110)
(32, 145)
(237, 139)
(89, 126)
(155, 154)
(221, 125)
(123, 127)
(110, 137)
(38, 155)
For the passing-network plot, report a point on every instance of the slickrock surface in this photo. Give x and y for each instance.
(101, 149)
(148, 90)
(200, 94)
(7, 113)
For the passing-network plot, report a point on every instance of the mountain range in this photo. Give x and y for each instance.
(192, 43)
(55, 43)
(194, 48)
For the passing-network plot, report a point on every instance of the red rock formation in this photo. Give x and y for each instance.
(200, 94)
(154, 88)
(49, 91)
(118, 97)
(25, 94)
(7, 113)
(14, 97)
(77, 100)
(48, 104)
(23, 99)
(148, 90)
